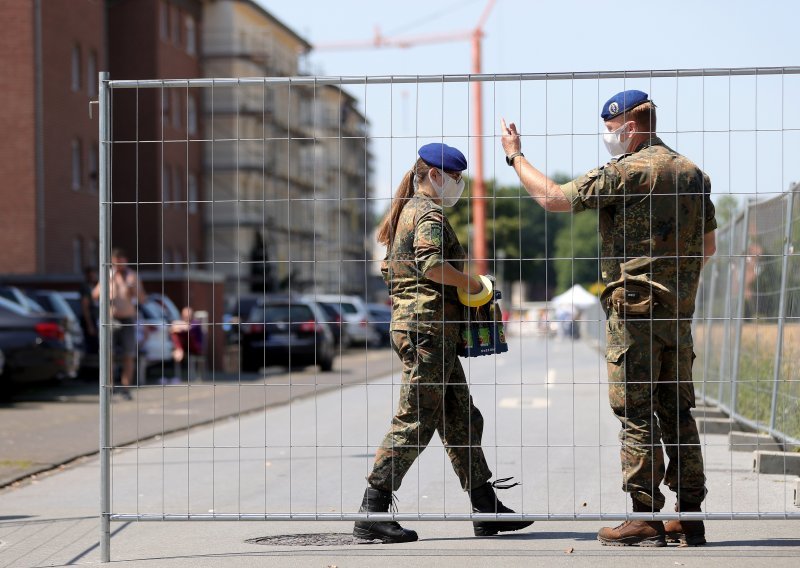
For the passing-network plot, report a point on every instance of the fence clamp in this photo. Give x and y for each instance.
(92, 102)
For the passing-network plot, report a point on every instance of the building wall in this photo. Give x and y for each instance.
(72, 55)
(157, 175)
(17, 152)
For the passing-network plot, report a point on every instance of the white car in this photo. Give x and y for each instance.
(155, 342)
(359, 329)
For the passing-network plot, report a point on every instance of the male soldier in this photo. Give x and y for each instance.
(657, 230)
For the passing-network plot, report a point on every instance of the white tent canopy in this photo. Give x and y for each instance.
(577, 297)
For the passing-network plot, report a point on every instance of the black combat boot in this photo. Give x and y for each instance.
(689, 533)
(635, 533)
(388, 532)
(484, 500)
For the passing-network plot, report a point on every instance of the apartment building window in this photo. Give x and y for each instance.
(177, 186)
(166, 194)
(92, 253)
(77, 255)
(176, 108)
(77, 174)
(191, 43)
(76, 68)
(175, 21)
(164, 21)
(91, 74)
(165, 106)
(192, 183)
(93, 157)
(191, 115)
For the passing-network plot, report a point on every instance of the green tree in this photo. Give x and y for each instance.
(519, 231)
(726, 207)
(577, 251)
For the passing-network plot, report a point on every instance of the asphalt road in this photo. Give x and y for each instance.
(547, 424)
(48, 425)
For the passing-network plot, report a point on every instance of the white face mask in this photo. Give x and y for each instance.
(450, 191)
(613, 141)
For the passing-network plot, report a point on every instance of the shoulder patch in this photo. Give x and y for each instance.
(436, 234)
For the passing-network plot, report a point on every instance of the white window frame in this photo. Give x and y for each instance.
(92, 160)
(76, 67)
(164, 21)
(193, 197)
(177, 186)
(191, 38)
(191, 115)
(166, 183)
(77, 163)
(176, 108)
(175, 25)
(91, 74)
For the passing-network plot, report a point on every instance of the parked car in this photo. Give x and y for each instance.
(16, 295)
(237, 307)
(90, 361)
(155, 343)
(35, 346)
(335, 320)
(380, 316)
(55, 302)
(354, 311)
(167, 306)
(287, 331)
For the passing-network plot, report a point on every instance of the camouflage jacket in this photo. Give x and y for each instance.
(423, 239)
(654, 210)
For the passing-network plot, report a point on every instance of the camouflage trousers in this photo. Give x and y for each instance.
(651, 392)
(434, 396)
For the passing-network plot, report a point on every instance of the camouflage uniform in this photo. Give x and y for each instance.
(425, 332)
(654, 210)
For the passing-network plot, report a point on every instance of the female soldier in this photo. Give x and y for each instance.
(423, 269)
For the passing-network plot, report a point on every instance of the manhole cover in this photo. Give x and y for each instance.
(316, 539)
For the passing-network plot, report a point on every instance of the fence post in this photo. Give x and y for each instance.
(737, 345)
(106, 377)
(787, 249)
(709, 315)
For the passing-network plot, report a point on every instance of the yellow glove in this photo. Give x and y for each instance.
(479, 298)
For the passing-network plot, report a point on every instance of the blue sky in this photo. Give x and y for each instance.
(744, 131)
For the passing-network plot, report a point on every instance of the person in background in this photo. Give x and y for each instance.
(187, 340)
(125, 294)
(89, 312)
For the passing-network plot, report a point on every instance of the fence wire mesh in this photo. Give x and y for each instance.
(226, 192)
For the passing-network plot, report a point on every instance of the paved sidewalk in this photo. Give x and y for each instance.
(547, 423)
(44, 427)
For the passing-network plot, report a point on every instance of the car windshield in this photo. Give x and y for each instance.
(282, 313)
(13, 307)
(330, 310)
(347, 308)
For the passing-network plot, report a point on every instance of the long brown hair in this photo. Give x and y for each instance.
(404, 192)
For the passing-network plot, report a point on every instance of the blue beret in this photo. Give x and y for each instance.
(622, 102)
(443, 157)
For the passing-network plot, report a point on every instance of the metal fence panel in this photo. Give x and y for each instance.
(274, 187)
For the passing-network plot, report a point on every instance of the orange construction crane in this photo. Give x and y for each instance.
(478, 248)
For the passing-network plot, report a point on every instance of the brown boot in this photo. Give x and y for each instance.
(688, 533)
(634, 533)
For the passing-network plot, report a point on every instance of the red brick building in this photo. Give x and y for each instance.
(50, 53)
(156, 178)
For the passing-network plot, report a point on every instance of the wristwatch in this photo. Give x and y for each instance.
(510, 159)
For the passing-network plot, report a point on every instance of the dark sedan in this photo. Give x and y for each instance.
(380, 316)
(334, 319)
(286, 331)
(35, 345)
